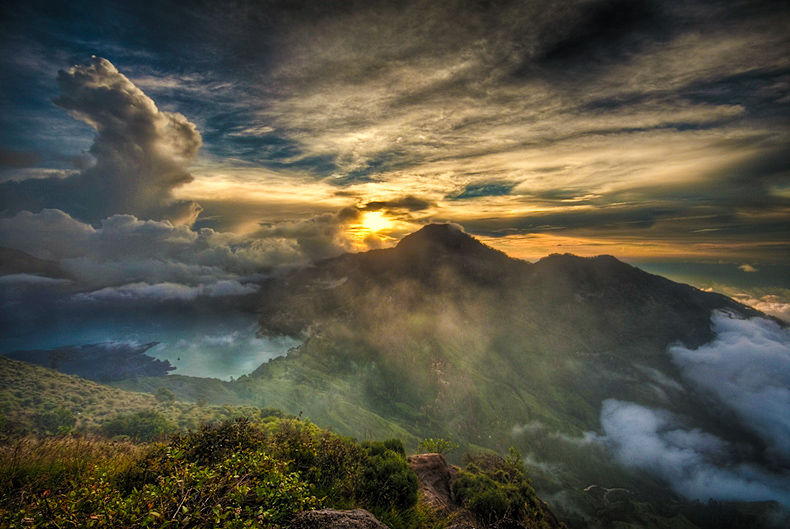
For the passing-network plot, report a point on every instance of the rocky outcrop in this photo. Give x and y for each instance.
(332, 519)
(436, 479)
(436, 489)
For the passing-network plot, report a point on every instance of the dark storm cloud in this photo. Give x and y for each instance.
(407, 203)
(608, 27)
(17, 159)
(586, 218)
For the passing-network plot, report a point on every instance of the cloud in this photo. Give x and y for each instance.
(124, 249)
(31, 280)
(17, 159)
(317, 237)
(771, 304)
(537, 428)
(408, 203)
(167, 292)
(483, 190)
(747, 369)
(692, 461)
(141, 154)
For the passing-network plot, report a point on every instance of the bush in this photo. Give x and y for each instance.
(234, 474)
(212, 443)
(330, 462)
(437, 446)
(141, 426)
(165, 396)
(494, 488)
(387, 480)
(58, 421)
(243, 490)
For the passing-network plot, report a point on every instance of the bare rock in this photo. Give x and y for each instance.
(332, 519)
(436, 478)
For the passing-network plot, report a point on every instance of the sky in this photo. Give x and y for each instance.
(173, 151)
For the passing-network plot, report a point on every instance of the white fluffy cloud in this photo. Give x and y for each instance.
(140, 154)
(124, 249)
(691, 460)
(747, 368)
(771, 304)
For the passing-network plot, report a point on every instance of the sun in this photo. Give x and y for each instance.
(374, 221)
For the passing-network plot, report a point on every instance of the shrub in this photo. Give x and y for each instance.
(494, 488)
(58, 421)
(387, 480)
(243, 490)
(437, 446)
(141, 426)
(212, 443)
(165, 396)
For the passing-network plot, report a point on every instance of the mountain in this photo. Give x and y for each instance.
(584, 364)
(102, 362)
(444, 331)
(17, 262)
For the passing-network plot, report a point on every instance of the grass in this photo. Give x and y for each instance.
(31, 466)
(234, 474)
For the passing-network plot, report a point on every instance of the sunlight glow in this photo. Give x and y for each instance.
(375, 221)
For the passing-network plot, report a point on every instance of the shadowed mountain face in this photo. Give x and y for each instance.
(593, 303)
(102, 362)
(443, 335)
(16, 262)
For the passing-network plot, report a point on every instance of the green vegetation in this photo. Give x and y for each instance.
(141, 426)
(494, 488)
(164, 395)
(438, 446)
(57, 421)
(235, 474)
(39, 401)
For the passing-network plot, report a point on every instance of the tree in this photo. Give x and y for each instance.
(165, 396)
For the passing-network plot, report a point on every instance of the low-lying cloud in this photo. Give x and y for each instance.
(771, 304)
(747, 369)
(696, 464)
(168, 292)
(124, 249)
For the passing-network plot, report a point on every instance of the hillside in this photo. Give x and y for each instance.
(37, 400)
(260, 469)
(13, 261)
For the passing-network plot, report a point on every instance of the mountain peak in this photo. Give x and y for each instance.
(447, 235)
(445, 239)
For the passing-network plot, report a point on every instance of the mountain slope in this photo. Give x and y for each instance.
(444, 334)
(444, 330)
